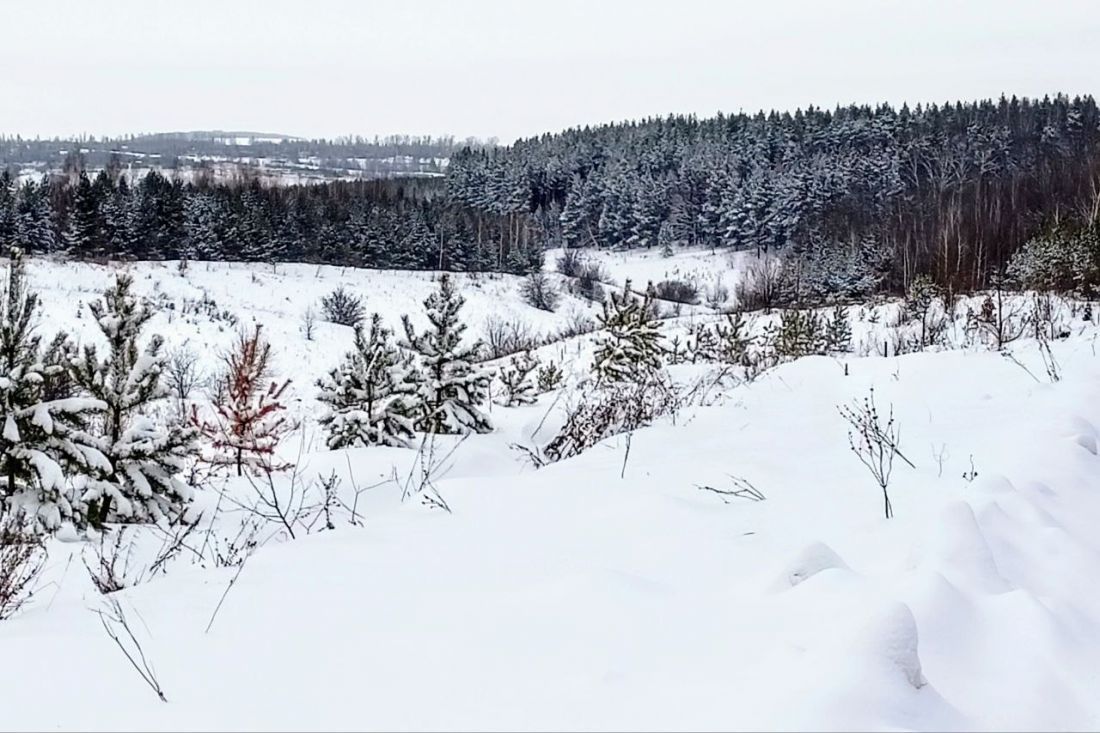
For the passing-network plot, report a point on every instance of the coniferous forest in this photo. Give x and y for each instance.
(862, 199)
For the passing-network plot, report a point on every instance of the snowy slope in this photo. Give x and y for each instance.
(607, 591)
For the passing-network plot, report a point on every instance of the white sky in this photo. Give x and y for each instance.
(513, 68)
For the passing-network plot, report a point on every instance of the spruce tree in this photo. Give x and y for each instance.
(42, 441)
(82, 237)
(629, 348)
(453, 387)
(146, 453)
(371, 394)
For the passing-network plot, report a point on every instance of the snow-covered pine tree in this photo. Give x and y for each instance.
(372, 394)
(145, 451)
(42, 442)
(519, 388)
(453, 387)
(629, 347)
(249, 418)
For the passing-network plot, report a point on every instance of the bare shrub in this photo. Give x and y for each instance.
(578, 324)
(22, 557)
(117, 626)
(998, 322)
(503, 337)
(613, 410)
(678, 291)
(570, 263)
(742, 489)
(588, 285)
(539, 292)
(717, 295)
(183, 375)
(309, 323)
(763, 285)
(874, 441)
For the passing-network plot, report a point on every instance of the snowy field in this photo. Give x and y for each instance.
(608, 591)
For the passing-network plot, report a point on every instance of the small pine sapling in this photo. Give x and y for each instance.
(372, 394)
(549, 377)
(515, 376)
(838, 331)
(454, 387)
(629, 349)
(43, 435)
(145, 453)
(249, 415)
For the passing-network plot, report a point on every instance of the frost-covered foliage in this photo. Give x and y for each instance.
(1062, 260)
(629, 348)
(44, 438)
(249, 416)
(372, 394)
(519, 389)
(145, 452)
(342, 308)
(453, 387)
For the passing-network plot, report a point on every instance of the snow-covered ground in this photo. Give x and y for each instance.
(608, 591)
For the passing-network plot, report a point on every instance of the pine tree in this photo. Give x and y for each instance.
(371, 394)
(43, 442)
(629, 348)
(453, 387)
(249, 418)
(145, 452)
(519, 388)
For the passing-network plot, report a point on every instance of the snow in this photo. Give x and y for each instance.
(607, 591)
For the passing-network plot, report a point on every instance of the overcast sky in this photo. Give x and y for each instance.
(490, 68)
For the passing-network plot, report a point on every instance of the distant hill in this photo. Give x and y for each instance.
(225, 154)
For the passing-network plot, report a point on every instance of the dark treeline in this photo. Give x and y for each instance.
(860, 198)
(395, 223)
(949, 191)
